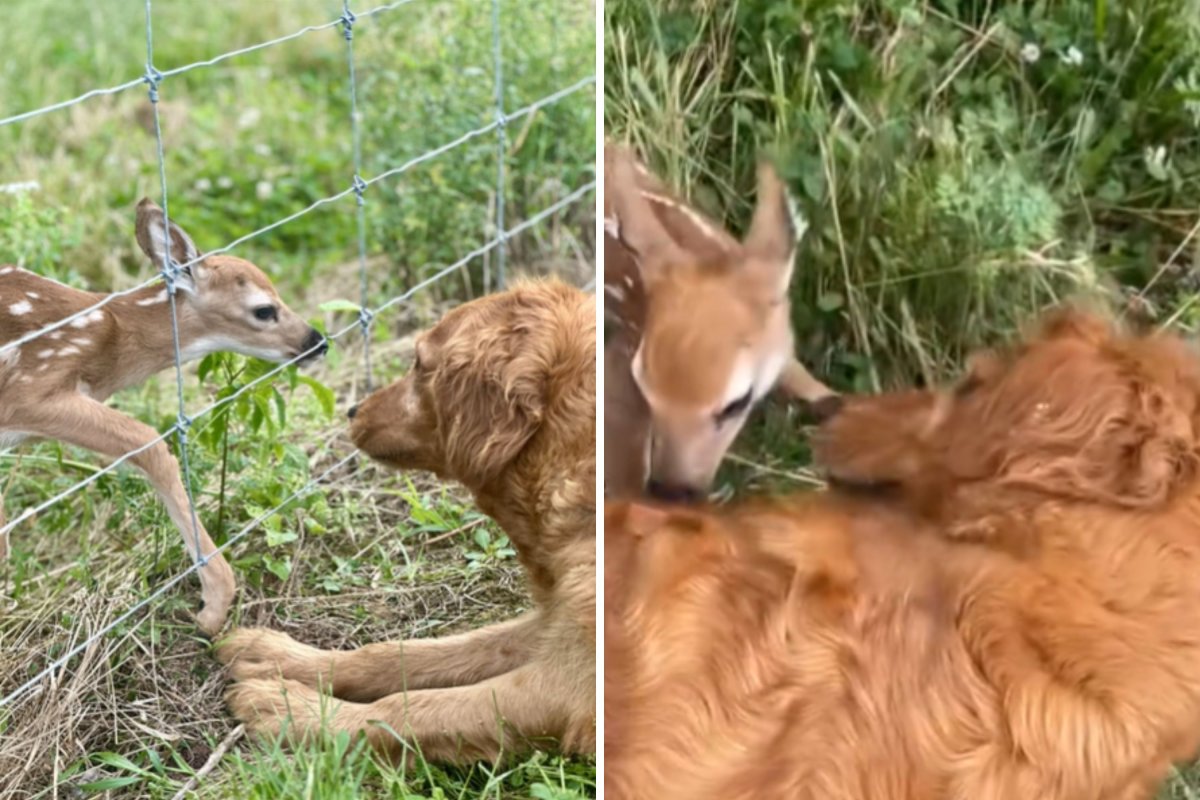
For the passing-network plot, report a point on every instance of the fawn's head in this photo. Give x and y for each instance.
(716, 331)
(230, 300)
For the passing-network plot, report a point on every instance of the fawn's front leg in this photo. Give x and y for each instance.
(84, 422)
(798, 383)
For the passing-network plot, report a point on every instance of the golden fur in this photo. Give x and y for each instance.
(1008, 611)
(502, 398)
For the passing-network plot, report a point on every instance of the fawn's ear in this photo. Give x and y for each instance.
(774, 232)
(152, 236)
(635, 224)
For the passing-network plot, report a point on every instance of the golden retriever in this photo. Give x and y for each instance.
(501, 397)
(1007, 611)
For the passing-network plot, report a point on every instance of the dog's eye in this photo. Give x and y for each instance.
(266, 314)
(734, 408)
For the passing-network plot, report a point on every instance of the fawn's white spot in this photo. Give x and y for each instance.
(83, 322)
(44, 367)
(161, 297)
(702, 226)
(6, 270)
(55, 334)
(82, 341)
(33, 295)
(9, 358)
(21, 308)
(69, 350)
(49, 351)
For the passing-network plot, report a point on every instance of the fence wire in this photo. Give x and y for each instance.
(152, 79)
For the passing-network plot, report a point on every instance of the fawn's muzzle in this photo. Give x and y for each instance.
(671, 493)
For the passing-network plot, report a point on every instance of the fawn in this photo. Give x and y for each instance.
(702, 329)
(54, 386)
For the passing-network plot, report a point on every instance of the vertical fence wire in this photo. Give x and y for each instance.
(501, 143)
(360, 186)
(171, 272)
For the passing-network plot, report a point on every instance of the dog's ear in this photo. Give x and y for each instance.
(491, 388)
(1120, 438)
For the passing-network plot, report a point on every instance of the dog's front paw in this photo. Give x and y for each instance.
(269, 707)
(263, 653)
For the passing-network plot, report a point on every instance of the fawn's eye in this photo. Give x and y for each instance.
(734, 408)
(266, 314)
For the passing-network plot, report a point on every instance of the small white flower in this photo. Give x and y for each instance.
(1072, 56)
(262, 149)
(224, 182)
(1156, 162)
(249, 118)
(19, 187)
(263, 189)
(203, 185)
(1030, 53)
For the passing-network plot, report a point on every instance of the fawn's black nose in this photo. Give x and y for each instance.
(315, 345)
(672, 493)
(353, 410)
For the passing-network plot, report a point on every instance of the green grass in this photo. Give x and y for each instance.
(961, 164)
(370, 555)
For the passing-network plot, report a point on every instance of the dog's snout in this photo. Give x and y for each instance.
(673, 493)
(353, 410)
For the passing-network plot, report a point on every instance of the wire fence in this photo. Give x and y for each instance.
(152, 79)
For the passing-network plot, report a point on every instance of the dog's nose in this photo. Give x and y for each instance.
(673, 493)
(353, 410)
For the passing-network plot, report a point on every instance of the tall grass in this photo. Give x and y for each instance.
(961, 163)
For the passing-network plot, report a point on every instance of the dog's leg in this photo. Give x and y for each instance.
(378, 670)
(84, 422)
(532, 705)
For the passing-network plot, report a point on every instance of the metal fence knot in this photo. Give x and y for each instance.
(347, 21)
(359, 186)
(152, 78)
(365, 317)
(183, 422)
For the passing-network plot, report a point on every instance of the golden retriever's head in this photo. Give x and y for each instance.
(1080, 410)
(482, 382)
